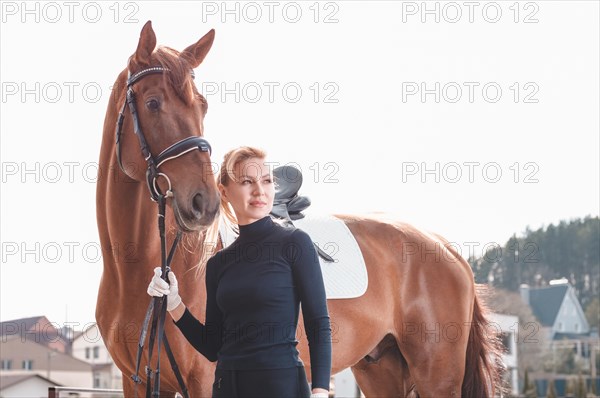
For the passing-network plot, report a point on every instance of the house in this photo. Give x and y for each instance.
(26, 357)
(89, 347)
(30, 385)
(557, 308)
(562, 318)
(36, 346)
(38, 329)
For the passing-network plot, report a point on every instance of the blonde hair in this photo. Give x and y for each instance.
(225, 176)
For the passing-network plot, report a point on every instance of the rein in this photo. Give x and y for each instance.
(157, 309)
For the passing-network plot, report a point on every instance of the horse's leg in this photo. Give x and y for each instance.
(437, 371)
(447, 348)
(383, 373)
(433, 337)
(435, 310)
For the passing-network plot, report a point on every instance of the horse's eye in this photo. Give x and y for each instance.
(153, 105)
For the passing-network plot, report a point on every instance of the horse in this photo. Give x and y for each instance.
(420, 330)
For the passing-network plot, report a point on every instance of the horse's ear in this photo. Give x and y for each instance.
(145, 47)
(196, 52)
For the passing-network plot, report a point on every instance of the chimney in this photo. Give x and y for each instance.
(524, 289)
(66, 332)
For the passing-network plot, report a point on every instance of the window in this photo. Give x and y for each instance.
(586, 350)
(28, 364)
(96, 380)
(576, 327)
(6, 364)
(506, 342)
(559, 325)
(87, 352)
(96, 352)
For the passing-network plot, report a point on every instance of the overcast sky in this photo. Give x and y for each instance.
(470, 119)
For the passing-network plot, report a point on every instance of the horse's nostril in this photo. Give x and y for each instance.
(197, 203)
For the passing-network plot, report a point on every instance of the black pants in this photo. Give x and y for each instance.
(263, 383)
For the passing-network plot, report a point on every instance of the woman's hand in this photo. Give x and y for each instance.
(158, 287)
(319, 393)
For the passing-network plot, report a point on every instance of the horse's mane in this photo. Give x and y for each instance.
(180, 74)
(204, 243)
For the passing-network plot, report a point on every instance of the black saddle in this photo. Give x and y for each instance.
(287, 204)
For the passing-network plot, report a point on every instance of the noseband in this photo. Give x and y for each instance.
(172, 152)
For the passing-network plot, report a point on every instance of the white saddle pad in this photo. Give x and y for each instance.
(347, 276)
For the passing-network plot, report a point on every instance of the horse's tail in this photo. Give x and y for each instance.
(483, 369)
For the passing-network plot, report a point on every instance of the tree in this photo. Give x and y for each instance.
(529, 389)
(592, 313)
(570, 390)
(551, 392)
(570, 249)
(532, 343)
(561, 359)
(580, 387)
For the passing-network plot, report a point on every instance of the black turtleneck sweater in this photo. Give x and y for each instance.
(254, 289)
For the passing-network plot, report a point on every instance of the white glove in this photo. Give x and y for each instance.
(319, 395)
(158, 287)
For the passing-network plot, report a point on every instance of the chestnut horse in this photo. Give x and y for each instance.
(419, 330)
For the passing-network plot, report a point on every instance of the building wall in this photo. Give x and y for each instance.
(69, 378)
(344, 384)
(59, 367)
(89, 347)
(508, 325)
(570, 318)
(31, 388)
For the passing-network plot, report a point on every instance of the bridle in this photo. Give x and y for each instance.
(172, 152)
(157, 309)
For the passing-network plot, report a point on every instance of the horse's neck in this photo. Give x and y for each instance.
(121, 211)
(127, 221)
(127, 218)
(128, 226)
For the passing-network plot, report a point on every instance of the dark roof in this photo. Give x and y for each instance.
(18, 326)
(10, 380)
(38, 329)
(546, 301)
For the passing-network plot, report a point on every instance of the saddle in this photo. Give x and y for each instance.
(287, 204)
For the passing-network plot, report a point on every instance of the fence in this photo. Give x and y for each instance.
(55, 392)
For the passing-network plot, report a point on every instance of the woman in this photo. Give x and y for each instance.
(254, 289)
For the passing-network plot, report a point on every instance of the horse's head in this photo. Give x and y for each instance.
(166, 113)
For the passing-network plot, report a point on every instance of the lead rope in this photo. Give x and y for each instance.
(157, 310)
